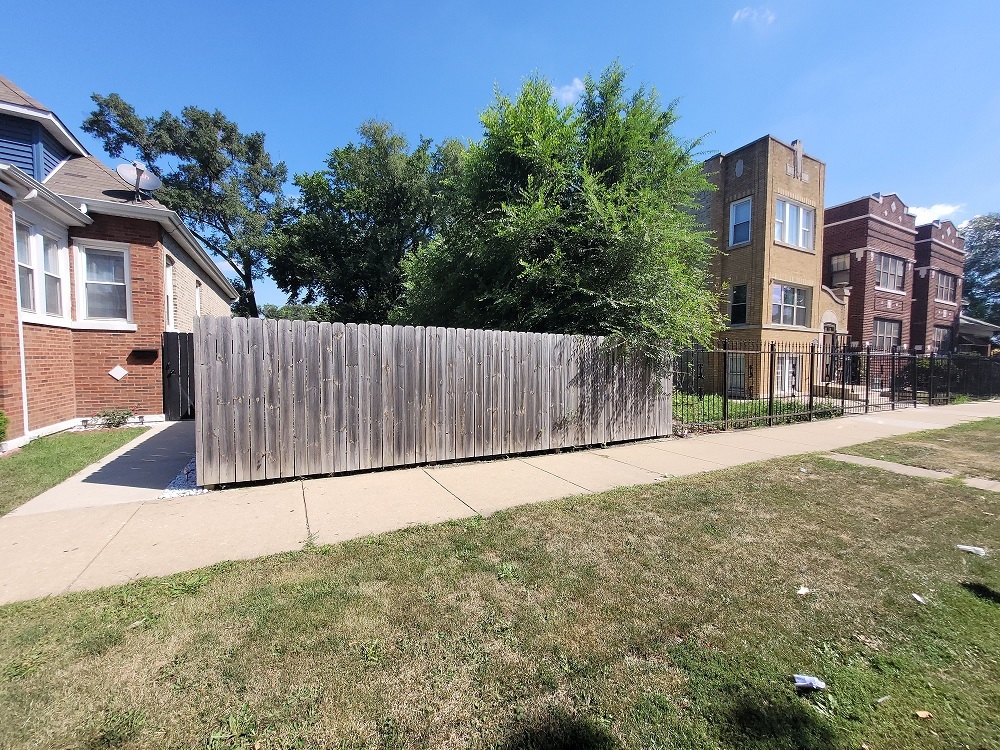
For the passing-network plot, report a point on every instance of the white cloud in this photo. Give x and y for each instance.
(757, 16)
(570, 93)
(927, 214)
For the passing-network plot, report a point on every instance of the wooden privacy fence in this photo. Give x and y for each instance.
(280, 398)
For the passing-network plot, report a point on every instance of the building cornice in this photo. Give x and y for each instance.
(873, 217)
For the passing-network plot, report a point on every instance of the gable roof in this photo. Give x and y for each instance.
(89, 177)
(11, 93)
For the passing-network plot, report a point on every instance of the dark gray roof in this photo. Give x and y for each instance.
(88, 177)
(12, 94)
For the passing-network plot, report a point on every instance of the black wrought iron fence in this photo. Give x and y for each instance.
(738, 386)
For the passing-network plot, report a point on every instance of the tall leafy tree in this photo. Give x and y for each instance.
(982, 267)
(575, 219)
(222, 182)
(376, 201)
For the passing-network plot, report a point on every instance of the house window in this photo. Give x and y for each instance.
(790, 305)
(52, 265)
(886, 334)
(793, 224)
(738, 307)
(942, 339)
(25, 269)
(739, 222)
(168, 295)
(105, 284)
(889, 272)
(947, 285)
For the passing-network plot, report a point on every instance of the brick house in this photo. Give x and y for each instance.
(764, 216)
(937, 285)
(905, 280)
(91, 281)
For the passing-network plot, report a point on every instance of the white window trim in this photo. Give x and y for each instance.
(878, 273)
(81, 322)
(808, 305)
(37, 232)
(169, 324)
(937, 280)
(732, 223)
(811, 248)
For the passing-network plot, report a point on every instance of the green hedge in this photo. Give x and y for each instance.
(3, 426)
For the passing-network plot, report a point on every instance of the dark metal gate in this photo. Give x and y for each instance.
(178, 376)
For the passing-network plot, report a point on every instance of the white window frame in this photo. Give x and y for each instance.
(937, 287)
(39, 230)
(946, 333)
(882, 330)
(168, 294)
(888, 274)
(31, 265)
(835, 272)
(783, 210)
(806, 306)
(80, 254)
(732, 221)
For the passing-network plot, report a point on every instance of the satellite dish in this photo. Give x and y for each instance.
(139, 177)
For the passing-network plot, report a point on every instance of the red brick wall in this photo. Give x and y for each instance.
(49, 371)
(10, 350)
(97, 352)
(938, 247)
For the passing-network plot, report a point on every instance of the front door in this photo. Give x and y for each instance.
(786, 377)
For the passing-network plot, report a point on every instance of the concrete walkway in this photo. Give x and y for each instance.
(50, 550)
(914, 471)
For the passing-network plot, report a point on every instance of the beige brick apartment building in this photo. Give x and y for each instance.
(765, 216)
(90, 279)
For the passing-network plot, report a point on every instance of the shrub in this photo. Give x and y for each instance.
(3, 426)
(113, 417)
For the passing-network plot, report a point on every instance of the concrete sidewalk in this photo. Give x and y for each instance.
(47, 550)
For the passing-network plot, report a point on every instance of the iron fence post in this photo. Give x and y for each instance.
(948, 380)
(930, 384)
(812, 378)
(868, 375)
(771, 383)
(843, 382)
(892, 377)
(725, 384)
(913, 358)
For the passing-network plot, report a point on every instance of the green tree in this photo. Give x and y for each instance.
(574, 219)
(222, 182)
(297, 311)
(982, 267)
(376, 201)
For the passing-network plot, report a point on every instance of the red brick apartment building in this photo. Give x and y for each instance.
(905, 280)
(90, 281)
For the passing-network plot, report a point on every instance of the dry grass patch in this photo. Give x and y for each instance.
(660, 616)
(969, 449)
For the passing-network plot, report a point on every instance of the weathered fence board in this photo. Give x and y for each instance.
(278, 398)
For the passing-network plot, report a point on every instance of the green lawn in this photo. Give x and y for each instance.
(46, 462)
(969, 449)
(663, 616)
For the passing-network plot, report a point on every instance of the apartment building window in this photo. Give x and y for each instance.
(793, 224)
(738, 306)
(25, 268)
(790, 305)
(106, 287)
(942, 339)
(889, 272)
(739, 222)
(886, 334)
(840, 269)
(947, 285)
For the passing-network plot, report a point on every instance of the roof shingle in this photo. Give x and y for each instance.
(11, 93)
(88, 177)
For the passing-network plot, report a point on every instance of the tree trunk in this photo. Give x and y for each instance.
(250, 297)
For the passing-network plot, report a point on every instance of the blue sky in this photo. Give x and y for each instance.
(894, 97)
